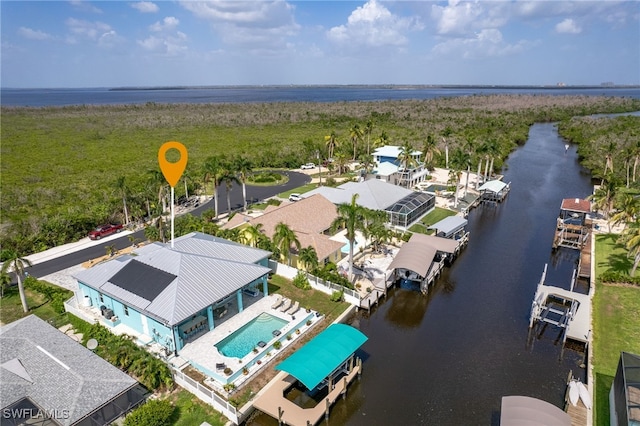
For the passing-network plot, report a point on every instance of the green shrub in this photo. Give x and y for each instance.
(154, 413)
(612, 276)
(57, 303)
(301, 281)
(337, 296)
(277, 344)
(273, 202)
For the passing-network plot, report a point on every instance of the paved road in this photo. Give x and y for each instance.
(254, 193)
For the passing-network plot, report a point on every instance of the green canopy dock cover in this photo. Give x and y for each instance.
(316, 360)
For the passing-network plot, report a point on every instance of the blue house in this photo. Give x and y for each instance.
(389, 168)
(170, 295)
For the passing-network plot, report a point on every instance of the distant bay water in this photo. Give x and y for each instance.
(260, 94)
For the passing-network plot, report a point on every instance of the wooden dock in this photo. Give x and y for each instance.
(584, 265)
(578, 413)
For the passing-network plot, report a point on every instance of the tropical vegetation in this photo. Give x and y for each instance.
(67, 169)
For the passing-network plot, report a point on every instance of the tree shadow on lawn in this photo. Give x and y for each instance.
(616, 261)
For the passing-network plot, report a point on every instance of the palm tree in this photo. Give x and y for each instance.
(5, 280)
(608, 151)
(407, 160)
(121, 184)
(243, 166)
(350, 217)
(355, 135)
(252, 234)
(459, 161)
(366, 162)
(604, 197)
(213, 171)
(283, 238)
(381, 140)
(13, 261)
(229, 178)
(340, 162)
(632, 242)
(156, 179)
(430, 149)
(308, 258)
(445, 134)
(368, 129)
(332, 142)
(628, 208)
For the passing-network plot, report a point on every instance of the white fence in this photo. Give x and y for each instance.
(350, 296)
(207, 395)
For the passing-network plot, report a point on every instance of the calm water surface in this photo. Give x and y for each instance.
(447, 359)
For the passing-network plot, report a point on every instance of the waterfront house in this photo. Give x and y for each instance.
(50, 379)
(404, 207)
(170, 295)
(310, 219)
(389, 168)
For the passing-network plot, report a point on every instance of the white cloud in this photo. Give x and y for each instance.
(91, 30)
(459, 18)
(169, 23)
(85, 6)
(254, 24)
(486, 43)
(171, 45)
(568, 26)
(32, 34)
(373, 25)
(145, 6)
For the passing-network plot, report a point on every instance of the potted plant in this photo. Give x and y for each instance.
(297, 331)
(277, 344)
(245, 371)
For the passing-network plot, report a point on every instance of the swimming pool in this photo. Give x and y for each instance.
(243, 340)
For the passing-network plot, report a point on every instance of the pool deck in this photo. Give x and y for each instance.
(203, 353)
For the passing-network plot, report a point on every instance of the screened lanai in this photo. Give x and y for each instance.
(410, 208)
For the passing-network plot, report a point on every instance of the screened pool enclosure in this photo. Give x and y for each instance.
(411, 208)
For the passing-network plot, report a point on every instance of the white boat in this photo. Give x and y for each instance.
(574, 393)
(584, 395)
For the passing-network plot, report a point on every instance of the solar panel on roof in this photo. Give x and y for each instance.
(142, 280)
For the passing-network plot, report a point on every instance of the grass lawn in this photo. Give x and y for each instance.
(191, 411)
(314, 299)
(11, 308)
(434, 217)
(299, 190)
(616, 322)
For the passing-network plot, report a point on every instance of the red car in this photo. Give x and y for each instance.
(104, 230)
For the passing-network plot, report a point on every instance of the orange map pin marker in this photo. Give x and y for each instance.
(172, 171)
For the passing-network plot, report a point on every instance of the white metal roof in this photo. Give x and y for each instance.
(373, 193)
(386, 168)
(449, 224)
(493, 186)
(391, 151)
(201, 279)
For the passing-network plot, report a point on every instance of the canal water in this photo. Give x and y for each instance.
(449, 357)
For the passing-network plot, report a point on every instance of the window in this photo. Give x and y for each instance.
(101, 298)
(126, 310)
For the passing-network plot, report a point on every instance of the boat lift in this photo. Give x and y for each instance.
(552, 307)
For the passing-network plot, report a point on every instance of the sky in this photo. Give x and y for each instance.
(79, 44)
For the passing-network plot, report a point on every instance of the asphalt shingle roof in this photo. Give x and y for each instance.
(88, 383)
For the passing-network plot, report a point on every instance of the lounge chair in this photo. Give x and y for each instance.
(277, 302)
(293, 309)
(286, 304)
(220, 366)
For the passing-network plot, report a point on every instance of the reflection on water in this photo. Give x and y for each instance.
(449, 357)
